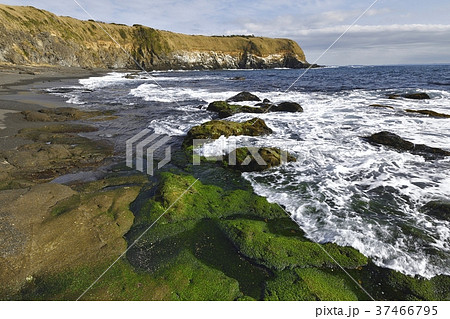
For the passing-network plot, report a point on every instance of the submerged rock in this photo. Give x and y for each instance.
(413, 96)
(396, 142)
(429, 113)
(250, 159)
(225, 109)
(244, 96)
(382, 106)
(438, 209)
(216, 128)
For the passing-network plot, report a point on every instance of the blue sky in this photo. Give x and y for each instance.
(392, 32)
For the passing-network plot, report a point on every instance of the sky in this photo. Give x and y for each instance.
(391, 32)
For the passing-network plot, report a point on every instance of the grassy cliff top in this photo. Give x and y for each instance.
(35, 21)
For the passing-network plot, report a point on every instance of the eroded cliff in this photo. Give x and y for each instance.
(33, 36)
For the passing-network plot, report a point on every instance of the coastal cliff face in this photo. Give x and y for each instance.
(30, 36)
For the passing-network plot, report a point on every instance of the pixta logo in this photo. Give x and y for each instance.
(144, 145)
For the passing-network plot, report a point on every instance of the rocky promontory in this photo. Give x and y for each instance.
(36, 37)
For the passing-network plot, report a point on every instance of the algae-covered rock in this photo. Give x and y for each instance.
(244, 96)
(224, 109)
(250, 159)
(396, 142)
(212, 244)
(439, 209)
(217, 128)
(278, 252)
(201, 201)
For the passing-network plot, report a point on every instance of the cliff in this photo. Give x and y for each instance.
(30, 36)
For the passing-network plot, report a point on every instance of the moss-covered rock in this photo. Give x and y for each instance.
(217, 128)
(251, 159)
(221, 245)
(224, 109)
(278, 252)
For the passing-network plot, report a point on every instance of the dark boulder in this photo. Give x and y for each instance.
(396, 142)
(413, 96)
(254, 159)
(439, 209)
(244, 96)
(287, 107)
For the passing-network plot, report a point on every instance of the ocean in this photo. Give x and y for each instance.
(341, 189)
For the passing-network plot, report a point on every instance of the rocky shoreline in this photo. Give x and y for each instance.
(218, 242)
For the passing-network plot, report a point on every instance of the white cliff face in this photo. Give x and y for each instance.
(220, 60)
(209, 60)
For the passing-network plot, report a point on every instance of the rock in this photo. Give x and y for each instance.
(266, 104)
(216, 128)
(429, 113)
(414, 96)
(396, 142)
(417, 96)
(225, 109)
(62, 114)
(244, 96)
(56, 149)
(33, 116)
(382, 106)
(287, 107)
(251, 159)
(57, 229)
(438, 209)
(238, 78)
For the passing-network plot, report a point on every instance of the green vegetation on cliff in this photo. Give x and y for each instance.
(33, 36)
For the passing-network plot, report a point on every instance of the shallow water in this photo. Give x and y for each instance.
(341, 189)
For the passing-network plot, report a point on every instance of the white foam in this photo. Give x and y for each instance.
(98, 82)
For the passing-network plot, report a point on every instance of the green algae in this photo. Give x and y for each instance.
(216, 244)
(254, 240)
